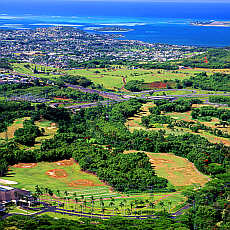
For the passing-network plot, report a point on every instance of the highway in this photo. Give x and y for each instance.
(115, 97)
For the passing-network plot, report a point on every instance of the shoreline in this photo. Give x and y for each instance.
(212, 23)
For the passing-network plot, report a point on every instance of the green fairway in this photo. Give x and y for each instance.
(29, 177)
(114, 77)
(179, 171)
(72, 182)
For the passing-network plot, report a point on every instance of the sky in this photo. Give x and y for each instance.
(184, 1)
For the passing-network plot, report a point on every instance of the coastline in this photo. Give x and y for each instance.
(212, 23)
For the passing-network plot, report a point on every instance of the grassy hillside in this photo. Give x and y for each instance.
(214, 58)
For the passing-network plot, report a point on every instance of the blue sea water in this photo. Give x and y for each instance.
(152, 22)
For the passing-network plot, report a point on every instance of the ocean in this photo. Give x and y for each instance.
(150, 22)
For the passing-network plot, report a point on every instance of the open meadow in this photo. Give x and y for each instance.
(114, 77)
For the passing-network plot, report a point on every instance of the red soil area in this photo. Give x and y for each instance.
(156, 84)
(66, 162)
(82, 182)
(57, 173)
(61, 99)
(25, 165)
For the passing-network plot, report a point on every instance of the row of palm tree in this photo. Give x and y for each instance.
(133, 206)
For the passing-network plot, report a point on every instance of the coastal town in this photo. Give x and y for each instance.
(58, 46)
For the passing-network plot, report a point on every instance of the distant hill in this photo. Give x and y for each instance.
(214, 58)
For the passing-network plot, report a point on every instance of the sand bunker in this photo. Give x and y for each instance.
(25, 165)
(66, 162)
(2, 181)
(57, 173)
(81, 183)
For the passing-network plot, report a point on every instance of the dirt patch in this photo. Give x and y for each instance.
(62, 99)
(159, 161)
(66, 162)
(57, 173)
(156, 84)
(25, 165)
(82, 183)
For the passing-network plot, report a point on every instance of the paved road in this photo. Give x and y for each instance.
(58, 210)
(114, 98)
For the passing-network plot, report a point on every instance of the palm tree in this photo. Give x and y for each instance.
(92, 202)
(68, 198)
(66, 202)
(82, 198)
(111, 204)
(50, 192)
(103, 211)
(169, 203)
(102, 204)
(84, 202)
(116, 209)
(131, 207)
(58, 192)
(81, 206)
(161, 203)
(151, 205)
(121, 204)
(136, 203)
(66, 193)
(76, 201)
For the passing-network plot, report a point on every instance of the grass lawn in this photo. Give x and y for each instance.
(179, 171)
(86, 185)
(28, 178)
(20, 68)
(123, 204)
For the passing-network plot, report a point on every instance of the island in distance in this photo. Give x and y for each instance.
(212, 23)
(109, 29)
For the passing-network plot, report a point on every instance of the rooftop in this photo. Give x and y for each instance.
(5, 188)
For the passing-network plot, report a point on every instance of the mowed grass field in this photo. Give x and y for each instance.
(63, 176)
(179, 171)
(112, 78)
(66, 176)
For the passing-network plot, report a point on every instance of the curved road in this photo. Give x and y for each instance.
(115, 97)
(57, 210)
